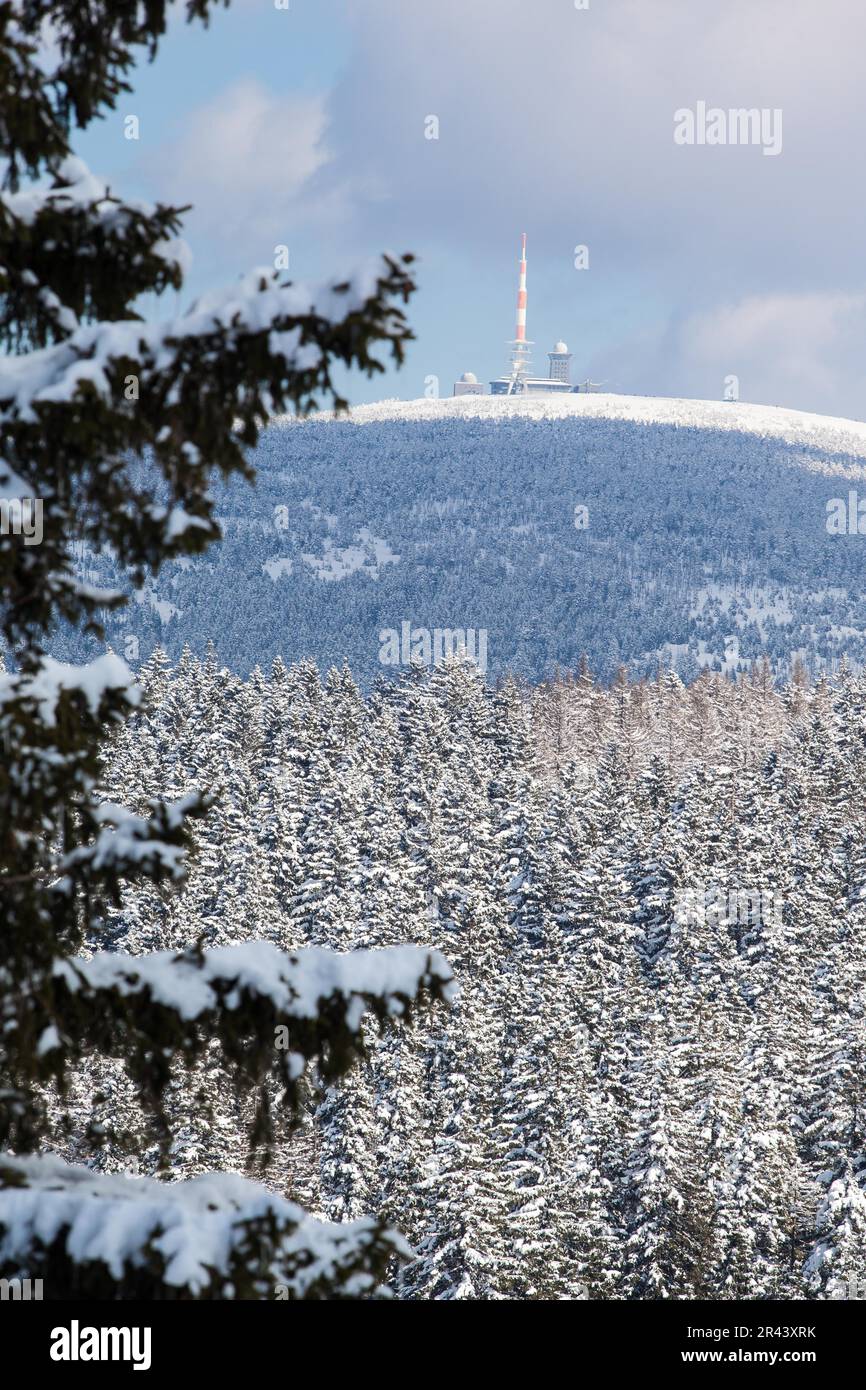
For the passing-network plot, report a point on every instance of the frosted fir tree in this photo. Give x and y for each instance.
(836, 1266)
(664, 1223)
(464, 1195)
(598, 1120)
(87, 387)
(527, 1106)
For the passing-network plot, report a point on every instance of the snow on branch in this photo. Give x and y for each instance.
(218, 1236)
(49, 679)
(258, 303)
(296, 984)
(126, 839)
(79, 190)
(273, 1012)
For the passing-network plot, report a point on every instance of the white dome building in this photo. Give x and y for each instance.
(468, 385)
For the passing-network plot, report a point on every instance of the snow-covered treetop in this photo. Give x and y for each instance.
(196, 1233)
(296, 985)
(257, 304)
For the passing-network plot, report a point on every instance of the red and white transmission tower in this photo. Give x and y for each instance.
(519, 357)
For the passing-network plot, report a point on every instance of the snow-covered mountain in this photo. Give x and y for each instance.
(632, 529)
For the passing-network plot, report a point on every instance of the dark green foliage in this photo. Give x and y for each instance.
(86, 389)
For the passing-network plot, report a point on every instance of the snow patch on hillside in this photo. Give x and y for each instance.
(276, 568)
(368, 556)
(752, 605)
(164, 610)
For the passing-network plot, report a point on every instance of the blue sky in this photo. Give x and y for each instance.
(306, 127)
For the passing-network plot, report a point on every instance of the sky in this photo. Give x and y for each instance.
(308, 127)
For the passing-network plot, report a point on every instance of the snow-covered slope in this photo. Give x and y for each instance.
(635, 529)
(826, 432)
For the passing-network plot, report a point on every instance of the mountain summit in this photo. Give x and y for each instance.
(637, 530)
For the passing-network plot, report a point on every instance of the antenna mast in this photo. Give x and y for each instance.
(519, 359)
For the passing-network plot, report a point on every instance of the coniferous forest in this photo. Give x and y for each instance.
(651, 1085)
(708, 540)
(337, 961)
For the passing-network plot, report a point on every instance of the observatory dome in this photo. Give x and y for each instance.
(560, 346)
(469, 377)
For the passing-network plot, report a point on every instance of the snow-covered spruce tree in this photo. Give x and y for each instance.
(112, 429)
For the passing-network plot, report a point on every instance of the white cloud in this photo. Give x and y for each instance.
(243, 161)
(806, 350)
(560, 122)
